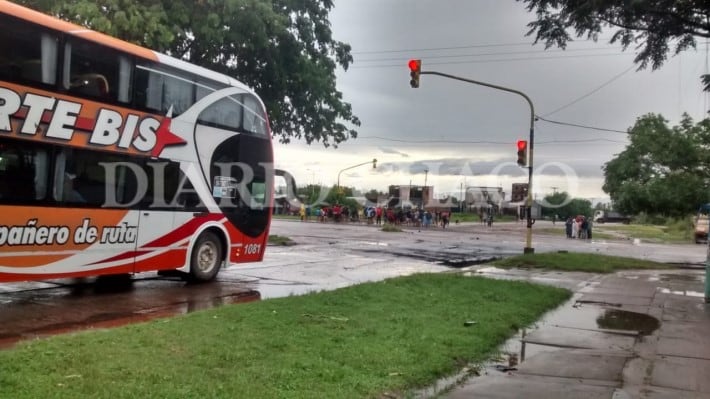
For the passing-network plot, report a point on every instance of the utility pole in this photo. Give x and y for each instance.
(424, 193)
(461, 199)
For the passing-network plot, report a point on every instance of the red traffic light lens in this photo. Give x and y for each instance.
(522, 144)
(414, 64)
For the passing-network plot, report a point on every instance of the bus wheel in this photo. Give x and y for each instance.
(206, 257)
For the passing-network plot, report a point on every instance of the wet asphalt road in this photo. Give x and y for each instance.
(326, 256)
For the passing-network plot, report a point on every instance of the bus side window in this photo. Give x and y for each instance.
(90, 84)
(254, 119)
(23, 172)
(158, 90)
(27, 53)
(95, 71)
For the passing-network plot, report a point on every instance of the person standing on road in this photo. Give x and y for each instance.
(583, 228)
(568, 227)
(575, 228)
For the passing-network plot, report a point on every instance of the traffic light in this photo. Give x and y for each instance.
(374, 163)
(522, 152)
(415, 66)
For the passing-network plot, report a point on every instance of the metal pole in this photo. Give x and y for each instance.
(424, 199)
(528, 236)
(707, 275)
(350, 167)
(461, 200)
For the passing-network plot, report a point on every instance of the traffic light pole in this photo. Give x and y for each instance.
(374, 165)
(528, 235)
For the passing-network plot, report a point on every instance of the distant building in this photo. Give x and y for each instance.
(484, 198)
(409, 196)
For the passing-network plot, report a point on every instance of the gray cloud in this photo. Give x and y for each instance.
(452, 128)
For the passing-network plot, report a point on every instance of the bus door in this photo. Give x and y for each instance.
(161, 242)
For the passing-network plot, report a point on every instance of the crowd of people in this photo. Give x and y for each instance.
(578, 227)
(377, 215)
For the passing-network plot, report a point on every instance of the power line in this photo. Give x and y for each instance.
(493, 60)
(460, 47)
(581, 126)
(486, 54)
(443, 48)
(485, 142)
(608, 82)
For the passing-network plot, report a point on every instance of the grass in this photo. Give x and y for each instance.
(280, 240)
(560, 231)
(287, 217)
(673, 233)
(474, 217)
(581, 262)
(357, 342)
(391, 228)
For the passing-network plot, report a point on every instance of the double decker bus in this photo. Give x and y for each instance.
(117, 159)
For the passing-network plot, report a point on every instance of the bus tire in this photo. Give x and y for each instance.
(206, 258)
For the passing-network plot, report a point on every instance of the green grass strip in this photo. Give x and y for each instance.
(581, 262)
(355, 342)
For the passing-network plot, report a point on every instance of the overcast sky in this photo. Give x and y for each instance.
(465, 134)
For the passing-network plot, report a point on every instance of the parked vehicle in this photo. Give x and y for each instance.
(702, 224)
(611, 217)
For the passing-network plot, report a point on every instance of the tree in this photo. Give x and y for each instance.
(654, 25)
(564, 206)
(663, 170)
(283, 49)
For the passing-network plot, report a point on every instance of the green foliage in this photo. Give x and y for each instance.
(280, 240)
(663, 170)
(390, 228)
(284, 49)
(651, 26)
(562, 205)
(644, 218)
(674, 231)
(681, 228)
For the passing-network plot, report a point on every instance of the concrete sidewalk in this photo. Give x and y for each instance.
(627, 335)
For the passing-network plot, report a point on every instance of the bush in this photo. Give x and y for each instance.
(390, 228)
(682, 227)
(644, 218)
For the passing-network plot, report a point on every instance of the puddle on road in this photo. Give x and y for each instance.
(616, 319)
(84, 306)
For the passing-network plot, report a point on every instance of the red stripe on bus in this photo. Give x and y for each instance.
(122, 256)
(183, 231)
(172, 259)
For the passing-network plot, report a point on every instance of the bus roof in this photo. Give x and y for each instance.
(118, 44)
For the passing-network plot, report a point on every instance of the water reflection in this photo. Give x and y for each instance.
(615, 319)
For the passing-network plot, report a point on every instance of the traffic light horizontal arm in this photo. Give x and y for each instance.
(532, 108)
